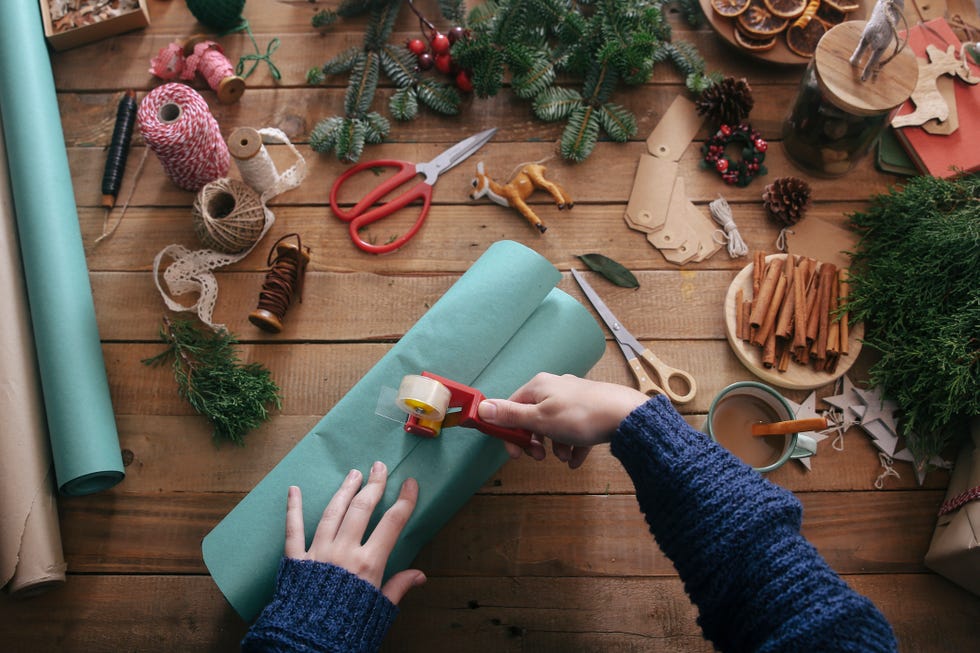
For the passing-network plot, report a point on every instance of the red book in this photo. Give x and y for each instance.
(956, 153)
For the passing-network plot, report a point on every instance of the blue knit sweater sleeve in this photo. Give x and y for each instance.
(735, 540)
(322, 608)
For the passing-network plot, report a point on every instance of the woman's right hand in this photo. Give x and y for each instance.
(572, 412)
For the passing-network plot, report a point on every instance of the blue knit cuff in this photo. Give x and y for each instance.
(321, 607)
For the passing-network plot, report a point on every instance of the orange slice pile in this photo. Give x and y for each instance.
(758, 23)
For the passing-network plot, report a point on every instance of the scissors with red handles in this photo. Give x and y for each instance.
(364, 212)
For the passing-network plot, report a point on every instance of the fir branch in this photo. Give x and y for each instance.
(915, 281)
(404, 104)
(233, 396)
(580, 134)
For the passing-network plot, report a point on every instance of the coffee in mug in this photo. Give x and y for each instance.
(737, 408)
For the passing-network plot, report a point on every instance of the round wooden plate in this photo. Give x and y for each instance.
(780, 54)
(796, 377)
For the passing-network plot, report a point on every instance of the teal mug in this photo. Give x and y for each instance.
(742, 404)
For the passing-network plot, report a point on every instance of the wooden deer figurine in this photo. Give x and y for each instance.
(929, 102)
(518, 189)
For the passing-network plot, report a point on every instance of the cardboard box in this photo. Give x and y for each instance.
(138, 18)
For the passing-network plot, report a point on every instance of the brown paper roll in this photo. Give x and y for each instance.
(31, 558)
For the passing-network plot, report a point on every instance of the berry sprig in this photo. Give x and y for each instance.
(435, 50)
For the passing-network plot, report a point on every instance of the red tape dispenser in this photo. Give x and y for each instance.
(433, 403)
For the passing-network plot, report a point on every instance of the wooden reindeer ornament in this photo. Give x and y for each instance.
(514, 193)
(929, 102)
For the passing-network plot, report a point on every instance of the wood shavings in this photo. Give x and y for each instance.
(71, 14)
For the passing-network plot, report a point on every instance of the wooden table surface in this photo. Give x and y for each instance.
(542, 558)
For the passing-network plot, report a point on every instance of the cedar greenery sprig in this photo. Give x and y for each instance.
(213, 380)
(915, 281)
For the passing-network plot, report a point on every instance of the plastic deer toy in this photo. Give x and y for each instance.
(929, 102)
(514, 193)
(880, 32)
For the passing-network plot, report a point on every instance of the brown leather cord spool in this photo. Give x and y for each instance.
(282, 282)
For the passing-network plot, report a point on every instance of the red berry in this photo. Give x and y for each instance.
(416, 46)
(456, 34)
(425, 61)
(440, 43)
(463, 81)
(725, 130)
(444, 63)
(721, 165)
(761, 145)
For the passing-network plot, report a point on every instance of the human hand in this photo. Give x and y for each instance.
(338, 535)
(572, 412)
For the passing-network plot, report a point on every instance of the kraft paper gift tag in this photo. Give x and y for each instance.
(955, 548)
(658, 203)
(501, 323)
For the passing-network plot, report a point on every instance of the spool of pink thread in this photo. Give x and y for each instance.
(199, 55)
(177, 125)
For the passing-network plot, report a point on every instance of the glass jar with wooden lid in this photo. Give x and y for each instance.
(836, 117)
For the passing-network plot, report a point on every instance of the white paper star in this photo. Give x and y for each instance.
(878, 408)
(881, 436)
(802, 411)
(849, 402)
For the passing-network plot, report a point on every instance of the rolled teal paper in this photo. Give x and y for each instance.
(500, 324)
(81, 424)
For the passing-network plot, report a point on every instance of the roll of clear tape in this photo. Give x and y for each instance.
(423, 397)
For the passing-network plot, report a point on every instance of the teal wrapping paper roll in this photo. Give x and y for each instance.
(81, 424)
(501, 323)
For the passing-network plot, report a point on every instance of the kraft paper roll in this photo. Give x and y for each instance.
(501, 323)
(81, 424)
(31, 558)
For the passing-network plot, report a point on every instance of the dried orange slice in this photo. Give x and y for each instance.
(803, 39)
(758, 21)
(830, 15)
(843, 6)
(754, 43)
(729, 8)
(785, 8)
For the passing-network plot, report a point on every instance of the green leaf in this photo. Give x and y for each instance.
(538, 77)
(399, 65)
(342, 63)
(439, 97)
(376, 128)
(350, 139)
(363, 83)
(323, 137)
(610, 269)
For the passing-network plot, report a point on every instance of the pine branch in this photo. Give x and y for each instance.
(233, 396)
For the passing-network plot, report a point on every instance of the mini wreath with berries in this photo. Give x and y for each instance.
(741, 172)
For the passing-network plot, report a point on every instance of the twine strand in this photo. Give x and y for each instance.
(722, 213)
(283, 282)
(177, 125)
(228, 216)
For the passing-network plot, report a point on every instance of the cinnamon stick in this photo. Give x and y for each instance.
(784, 320)
(764, 298)
(768, 325)
(769, 349)
(828, 287)
(812, 319)
(799, 305)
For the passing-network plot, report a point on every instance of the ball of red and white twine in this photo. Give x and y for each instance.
(177, 125)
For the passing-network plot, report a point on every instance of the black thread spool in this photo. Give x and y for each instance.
(284, 279)
(122, 135)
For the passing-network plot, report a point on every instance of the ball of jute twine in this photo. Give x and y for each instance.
(228, 216)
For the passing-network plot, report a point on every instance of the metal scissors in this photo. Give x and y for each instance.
(362, 214)
(636, 355)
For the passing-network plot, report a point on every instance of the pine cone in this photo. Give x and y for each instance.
(786, 200)
(726, 103)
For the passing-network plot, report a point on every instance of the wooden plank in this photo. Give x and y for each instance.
(96, 614)
(152, 444)
(535, 535)
(129, 308)
(314, 377)
(612, 164)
